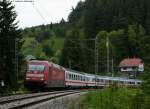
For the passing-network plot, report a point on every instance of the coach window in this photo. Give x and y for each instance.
(107, 81)
(80, 78)
(121, 82)
(72, 76)
(69, 76)
(66, 75)
(84, 78)
(93, 80)
(138, 83)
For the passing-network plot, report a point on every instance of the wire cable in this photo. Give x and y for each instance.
(37, 10)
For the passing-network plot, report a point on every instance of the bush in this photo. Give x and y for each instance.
(110, 98)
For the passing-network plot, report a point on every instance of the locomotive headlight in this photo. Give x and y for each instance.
(27, 78)
(42, 79)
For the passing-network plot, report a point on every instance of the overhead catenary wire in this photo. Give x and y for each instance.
(95, 51)
(73, 41)
(22, 0)
(41, 15)
(36, 9)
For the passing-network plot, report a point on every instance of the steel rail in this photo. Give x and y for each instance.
(25, 105)
(27, 96)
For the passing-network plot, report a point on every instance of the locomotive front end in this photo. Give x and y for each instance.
(35, 74)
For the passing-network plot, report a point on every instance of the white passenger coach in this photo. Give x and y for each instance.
(77, 79)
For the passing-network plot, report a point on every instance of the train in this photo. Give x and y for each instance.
(46, 74)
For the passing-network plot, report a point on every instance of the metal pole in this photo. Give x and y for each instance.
(16, 58)
(107, 45)
(96, 56)
(112, 67)
(96, 59)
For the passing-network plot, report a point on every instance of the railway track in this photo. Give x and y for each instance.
(27, 100)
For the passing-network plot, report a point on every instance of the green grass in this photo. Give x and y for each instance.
(109, 98)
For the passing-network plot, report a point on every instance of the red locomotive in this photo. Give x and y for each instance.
(44, 73)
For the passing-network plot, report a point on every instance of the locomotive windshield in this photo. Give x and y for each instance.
(36, 67)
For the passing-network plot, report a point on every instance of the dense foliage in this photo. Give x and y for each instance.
(10, 43)
(125, 22)
(44, 41)
(109, 98)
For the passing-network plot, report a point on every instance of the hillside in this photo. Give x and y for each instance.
(44, 41)
(124, 23)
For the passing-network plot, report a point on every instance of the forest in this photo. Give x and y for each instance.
(71, 43)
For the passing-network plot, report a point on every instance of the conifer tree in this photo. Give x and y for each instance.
(73, 53)
(9, 44)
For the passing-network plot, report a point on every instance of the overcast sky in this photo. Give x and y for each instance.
(43, 11)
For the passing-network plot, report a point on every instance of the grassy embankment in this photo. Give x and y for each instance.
(109, 98)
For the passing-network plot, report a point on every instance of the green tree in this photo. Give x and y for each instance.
(10, 43)
(32, 47)
(90, 29)
(72, 53)
(102, 35)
